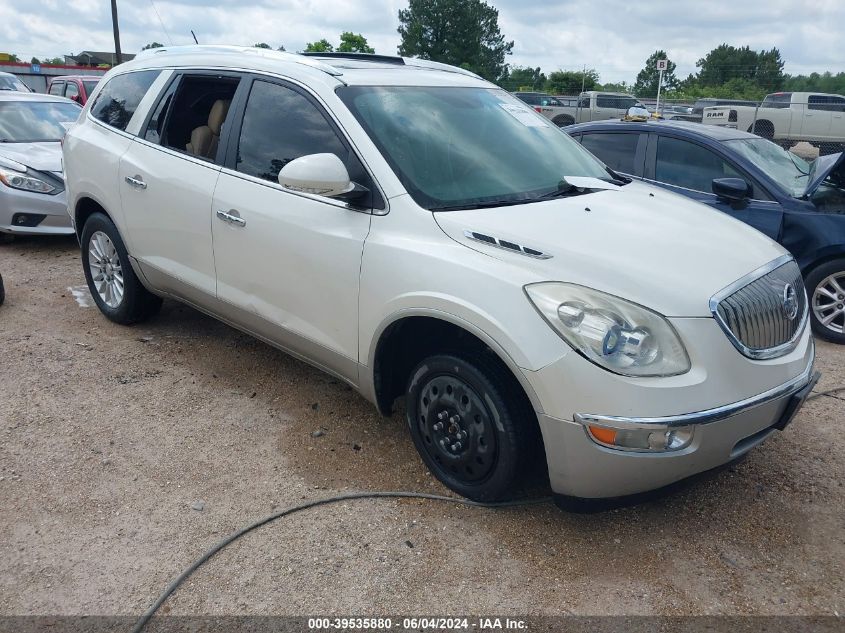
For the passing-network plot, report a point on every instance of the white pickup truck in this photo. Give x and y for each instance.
(788, 116)
(588, 106)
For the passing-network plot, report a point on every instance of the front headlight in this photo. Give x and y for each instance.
(19, 180)
(620, 336)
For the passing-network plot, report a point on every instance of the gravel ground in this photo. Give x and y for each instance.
(113, 438)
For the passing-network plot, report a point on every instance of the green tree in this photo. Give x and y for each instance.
(463, 33)
(261, 45)
(321, 46)
(35, 60)
(153, 45)
(570, 82)
(56, 61)
(726, 62)
(522, 78)
(281, 48)
(622, 86)
(354, 43)
(649, 76)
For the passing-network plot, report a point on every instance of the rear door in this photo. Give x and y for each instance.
(818, 117)
(689, 168)
(166, 188)
(623, 152)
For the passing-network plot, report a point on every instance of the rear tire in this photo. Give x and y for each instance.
(826, 291)
(563, 120)
(763, 129)
(474, 429)
(116, 289)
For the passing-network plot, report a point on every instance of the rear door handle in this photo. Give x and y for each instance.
(232, 217)
(136, 182)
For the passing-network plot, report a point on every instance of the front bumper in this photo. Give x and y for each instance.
(56, 220)
(579, 467)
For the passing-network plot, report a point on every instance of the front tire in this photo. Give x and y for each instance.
(471, 425)
(118, 293)
(826, 289)
(563, 120)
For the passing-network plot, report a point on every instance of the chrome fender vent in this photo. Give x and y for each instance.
(506, 245)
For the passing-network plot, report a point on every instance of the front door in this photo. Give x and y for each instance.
(689, 169)
(290, 261)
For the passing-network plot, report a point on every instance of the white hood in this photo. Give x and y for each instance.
(644, 244)
(38, 156)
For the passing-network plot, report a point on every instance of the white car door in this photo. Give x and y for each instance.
(290, 261)
(817, 118)
(166, 190)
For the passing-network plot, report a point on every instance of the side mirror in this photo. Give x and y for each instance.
(733, 189)
(75, 98)
(320, 174)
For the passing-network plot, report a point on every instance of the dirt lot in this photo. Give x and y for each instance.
(109, 436)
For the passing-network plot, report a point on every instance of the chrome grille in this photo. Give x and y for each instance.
(755, 312)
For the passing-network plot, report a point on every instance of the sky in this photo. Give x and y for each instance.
(612, 36)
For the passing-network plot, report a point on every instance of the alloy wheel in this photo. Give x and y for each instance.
(829, 302)
(106, 271)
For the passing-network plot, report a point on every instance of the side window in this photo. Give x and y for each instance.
(688, 165)
(279, 125)
(155, 126)
(56, 88)
(616, 150)
(190, 117)
(71, 90)
(605, 102)
(584, 102)
(119, 98)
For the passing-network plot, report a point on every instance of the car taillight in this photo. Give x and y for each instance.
(538, 109)
(732, 117)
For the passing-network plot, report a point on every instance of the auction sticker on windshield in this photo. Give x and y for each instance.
(523, 115)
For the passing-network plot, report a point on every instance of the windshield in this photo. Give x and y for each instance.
(33, 121)
(785, 168)
(89, 86)
(468, 147)
(12, 83)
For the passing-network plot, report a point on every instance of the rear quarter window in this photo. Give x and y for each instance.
(119, 98)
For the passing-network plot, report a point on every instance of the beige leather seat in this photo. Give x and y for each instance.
(204, 139)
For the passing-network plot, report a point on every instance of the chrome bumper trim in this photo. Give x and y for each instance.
(701, 417)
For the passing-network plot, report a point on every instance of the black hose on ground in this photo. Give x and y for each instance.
(142, 621)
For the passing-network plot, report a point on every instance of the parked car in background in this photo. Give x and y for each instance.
(708, 102)
(8, 81)
(74, 87)
(32, 191)
(799, 204)
(588, 106)
(556, 109)
(786, 117)
(349, 209)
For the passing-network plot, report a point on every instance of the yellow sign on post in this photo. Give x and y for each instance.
(5, 57)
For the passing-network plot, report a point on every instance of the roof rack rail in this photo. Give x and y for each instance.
(194, 49)
(370, 57)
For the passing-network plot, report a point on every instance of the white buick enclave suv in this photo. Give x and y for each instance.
(420, 233)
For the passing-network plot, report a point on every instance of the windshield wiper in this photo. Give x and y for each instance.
(792, 158)
(563, 192)
(481, 205)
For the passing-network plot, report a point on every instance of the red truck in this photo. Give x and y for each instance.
(74, 87)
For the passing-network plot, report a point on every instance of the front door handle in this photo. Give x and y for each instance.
(232, 217)
(136, 182)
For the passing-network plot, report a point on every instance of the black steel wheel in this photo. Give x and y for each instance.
(470, 426)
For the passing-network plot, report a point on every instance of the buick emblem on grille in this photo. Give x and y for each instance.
(790, 302)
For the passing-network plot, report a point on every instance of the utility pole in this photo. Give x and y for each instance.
(117, 54)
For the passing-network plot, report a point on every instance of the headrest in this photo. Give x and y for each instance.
(218, 115)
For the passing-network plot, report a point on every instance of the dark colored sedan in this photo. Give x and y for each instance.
(798, 203)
